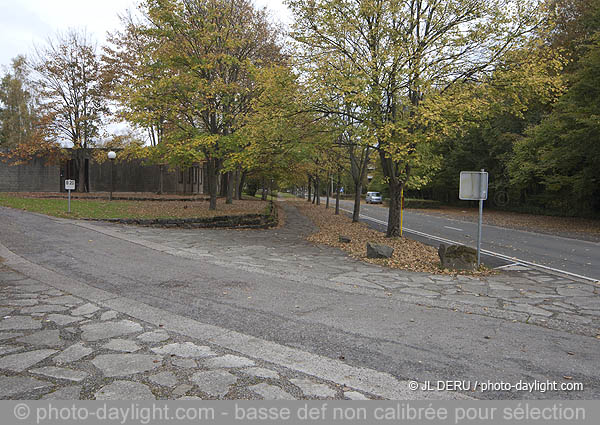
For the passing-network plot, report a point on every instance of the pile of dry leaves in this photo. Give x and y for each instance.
(408, 254)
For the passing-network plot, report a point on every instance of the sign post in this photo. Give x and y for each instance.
(69, 186)
(474, 187)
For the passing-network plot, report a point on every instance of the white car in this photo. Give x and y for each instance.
(374, 198)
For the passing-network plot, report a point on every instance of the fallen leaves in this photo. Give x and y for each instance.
(408, 254)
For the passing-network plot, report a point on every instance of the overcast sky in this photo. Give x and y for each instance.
(24, 23)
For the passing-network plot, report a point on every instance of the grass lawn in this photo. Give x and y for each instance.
(100, 209)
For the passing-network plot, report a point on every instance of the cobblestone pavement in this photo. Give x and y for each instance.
(516, 293)
(54, 345)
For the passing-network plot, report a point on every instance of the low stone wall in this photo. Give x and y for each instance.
(244, 221)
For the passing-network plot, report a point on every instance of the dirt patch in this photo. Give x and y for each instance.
(408, 254)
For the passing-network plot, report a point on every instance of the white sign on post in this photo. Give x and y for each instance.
(473, 186)
(69, 184)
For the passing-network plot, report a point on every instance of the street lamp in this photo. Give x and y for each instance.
(111, 156)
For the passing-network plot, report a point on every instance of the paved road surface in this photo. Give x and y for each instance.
(272, 296)
(566, 254)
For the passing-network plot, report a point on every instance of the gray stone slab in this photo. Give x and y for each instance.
(7, 349)
(182, 389)
(5, 311)
(228, 361)
(125, 390)
(66, 393)
(62, 319)
(85, 309)
(184, 363)
(419, 292)
(214, 382)
(105, 330)
(186, 349)
(164, 379)
(124, 345)
(9, 335)
(73, 353)
(271, 392)
(20, 303)
(14, 385)
(154, 336)
(64, 300)
(531, 309)
(60, 373)
(19, 322)
(126, 364)
(261, 372)
(314, 389)
(21, 361)
(45, 338)
(109, 315)
(355, 395)
(44, 308)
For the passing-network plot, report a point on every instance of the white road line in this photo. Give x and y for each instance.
(453, 228)
(485, 251)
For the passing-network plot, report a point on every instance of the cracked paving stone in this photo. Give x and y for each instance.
(66, 393)
(154, 336)
(355, 395)
(19, 322)
(60, 373)
(419, 292)
(85, 309)
(260, 372)
(109, 315)
(13, 385)
(228, 361)
(125, 390)
(214, 382)
(184, 363)
(527, 308)
(164, 379)
(105, 330)
(271, 392)
(186, 349)
(21, 361)
(20, 303)
(126, 364)
(47, 338)
(314, 389)
(4, 311)
(44, 308)
(73, 353)
(119, 344)
(62, 319)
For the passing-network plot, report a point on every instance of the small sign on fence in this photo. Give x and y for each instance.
(474, 187)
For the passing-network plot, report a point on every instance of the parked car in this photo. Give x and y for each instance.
(374, 198)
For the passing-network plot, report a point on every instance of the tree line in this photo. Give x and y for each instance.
(418, 89)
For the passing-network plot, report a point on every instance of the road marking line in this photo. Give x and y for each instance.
(485, 251)
(453, 228)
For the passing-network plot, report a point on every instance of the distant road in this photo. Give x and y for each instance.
(502, 245)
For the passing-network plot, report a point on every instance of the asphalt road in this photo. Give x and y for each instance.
(503, 245)
(410, 341)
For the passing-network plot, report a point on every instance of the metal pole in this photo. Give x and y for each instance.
(480, 217)
(401, 210)
(69, 200)
(111, 179)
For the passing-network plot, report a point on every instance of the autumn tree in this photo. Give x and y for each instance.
(67, 75)
(399, 54)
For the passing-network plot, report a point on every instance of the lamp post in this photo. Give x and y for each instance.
(111, 156)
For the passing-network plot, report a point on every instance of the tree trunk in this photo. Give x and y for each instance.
(393, 229)
(264, 190)
(212, 174)
(309, 188)
(318, 190)
(337, 195)
(357, 195)
(229, 178)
